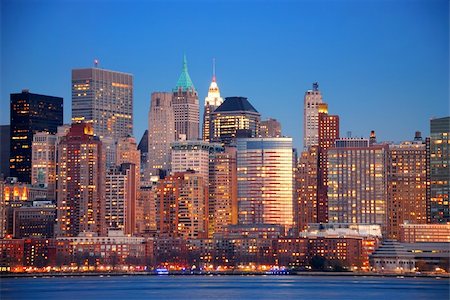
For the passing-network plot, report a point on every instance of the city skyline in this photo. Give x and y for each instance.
(391, 66)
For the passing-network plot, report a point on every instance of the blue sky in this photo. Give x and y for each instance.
(381, 65)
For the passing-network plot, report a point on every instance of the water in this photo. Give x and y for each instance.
(223, 287)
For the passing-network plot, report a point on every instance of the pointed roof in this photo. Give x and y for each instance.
(143, 144)
(236, 104)
(184, 81)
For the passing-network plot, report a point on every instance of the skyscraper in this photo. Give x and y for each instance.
(81, 163)
(30, 113)
(104, 98)
(233, 115)
(265, 181)
(439, 157)
(143, 148)
(43, 166)
(212, 101)
(357, 182)
(270, 128)
(186, 106)
(407, 185)
(312, 100)
(4, 150)
(161, 133)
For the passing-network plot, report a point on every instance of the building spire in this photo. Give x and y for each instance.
(214, 70)
(184, 81)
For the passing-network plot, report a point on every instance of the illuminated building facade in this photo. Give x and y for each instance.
(81, 182)
(182, 206)
(186, 107)
(234, 115)
(407, 186)
(34, 219)
(306, 185)
(212, 102)
(222, 191)
(424, 233)
(43, 166)
(328, 133)
(439, 157)
(30, 113)
(193, 155)
(265, 181)
(104, 98)
(270, 128)
(161, 133)
(311, 103)
(121, 202)
(357, 182)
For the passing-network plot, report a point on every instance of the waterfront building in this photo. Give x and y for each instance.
(5, 139)
(233, 116)
(270, 128)
(182, 206)
(424, 233)
(392, 257)
(81, 182)
(186, 106)
(311, 103)
(161, 133)
(265, 181)
(30, 113)
(212, 102)
(105, 99)
(357, 182)
(439, 157)
(43, 162)
(121, 199)
(407, 185)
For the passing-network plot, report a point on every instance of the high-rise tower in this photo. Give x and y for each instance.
(312, 101)
(104, 98)
(186, 106)
(212, 101)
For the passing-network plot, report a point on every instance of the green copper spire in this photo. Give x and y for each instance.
(184, 81)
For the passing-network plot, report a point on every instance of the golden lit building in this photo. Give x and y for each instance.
(265, 181)
(235, 115)
(407, 185)
(81, 182)
(43, 163)
(182, 206)
(424, 233)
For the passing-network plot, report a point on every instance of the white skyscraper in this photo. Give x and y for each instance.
(312, 101)
(212, 101)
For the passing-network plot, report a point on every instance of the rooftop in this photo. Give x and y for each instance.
(236, 104)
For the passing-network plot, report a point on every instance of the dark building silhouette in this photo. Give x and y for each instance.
(30, 113)
(4, 150)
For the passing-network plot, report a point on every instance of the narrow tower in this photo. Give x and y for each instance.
(212, 101)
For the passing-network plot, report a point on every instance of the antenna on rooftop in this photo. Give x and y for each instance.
(96, 63)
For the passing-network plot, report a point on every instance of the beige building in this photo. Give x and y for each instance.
(43, 162)
(270, 128)
(312, 101)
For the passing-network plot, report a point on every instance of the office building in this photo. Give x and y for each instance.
(143, 148)
(265, 181)
(212, 102)
(311, 103)
(104, 98)
(81, 182)
(186, 107)
(43, 162)
(34, 219)
(235, 115)
(439, 157)
(4, 150)
(424, 233)
(161, 133)
(270, 128)
(30, 113)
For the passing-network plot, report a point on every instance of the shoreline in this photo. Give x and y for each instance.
(306, 274)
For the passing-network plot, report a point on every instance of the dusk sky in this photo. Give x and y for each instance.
(381, 65)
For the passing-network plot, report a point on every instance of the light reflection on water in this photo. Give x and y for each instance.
(223, 287)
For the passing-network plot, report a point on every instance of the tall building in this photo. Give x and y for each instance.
(161, 133)
(357, 182)
(181, 206)
(306, 188)
(81, 182)
(194, 156)
(312, 101)
(233, 115)
(104, 98)
(439, 157)
(212, 102)
(223, 209)
(407, 186)
(30, 113)
(4, 150)
(270, 128)
(265, 181)
(109, 148)
(43, 166)
(143, 148)
(186, 106)
(121, 198)
(328, 130)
